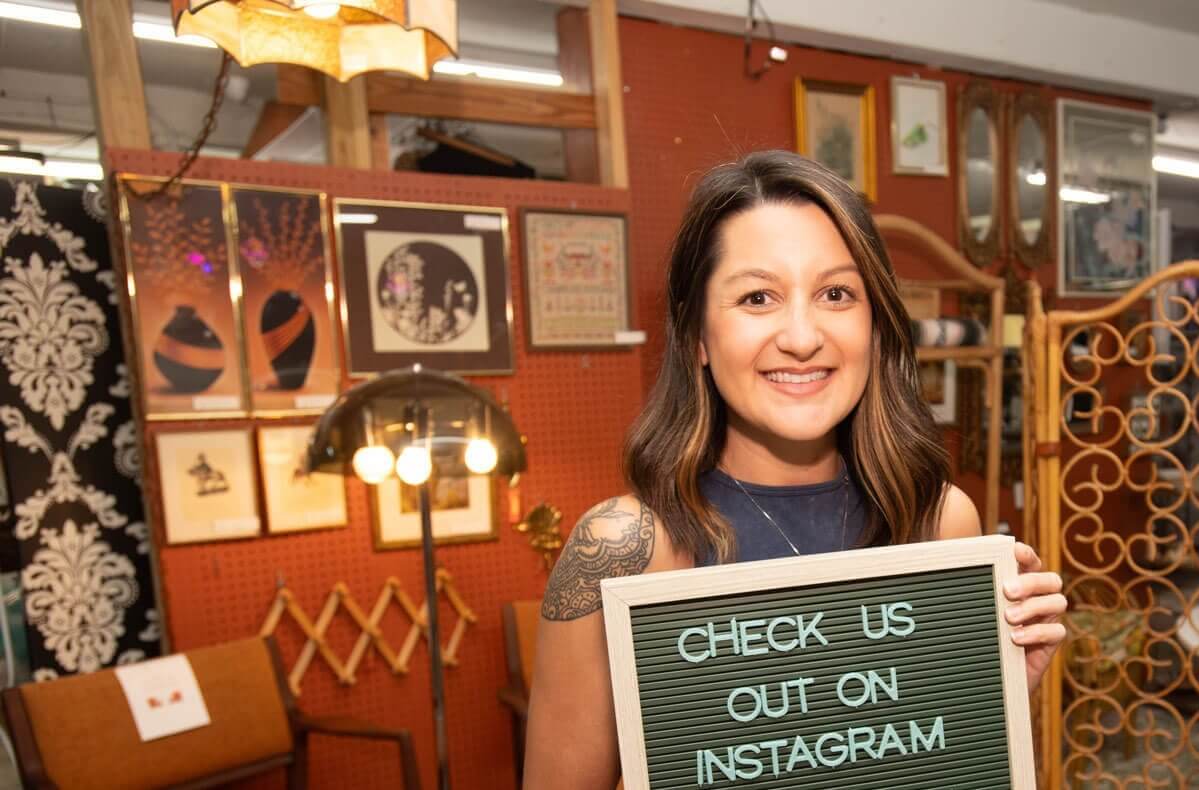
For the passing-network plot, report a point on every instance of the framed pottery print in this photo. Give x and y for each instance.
(834, 125)
(186, 329)
(463, 509)
(938, 384)
(576, 278)
(426, 284)
(208, 485)
(281, 239)
(294, 501)
(919, 130)
(1108, 197)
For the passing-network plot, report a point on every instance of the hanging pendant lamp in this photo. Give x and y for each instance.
(342, 38)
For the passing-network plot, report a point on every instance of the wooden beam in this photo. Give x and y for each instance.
(273, 121)
(448, 98)
(347, 123)
(609, 94)
(574, 63)
(118, 97)
(380, 142)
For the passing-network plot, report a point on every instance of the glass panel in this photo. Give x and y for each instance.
(980, 173)
(1031, 178)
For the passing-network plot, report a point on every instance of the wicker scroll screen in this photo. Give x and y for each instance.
(1116, 451)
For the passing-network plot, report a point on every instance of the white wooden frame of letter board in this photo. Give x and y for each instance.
(620, 594)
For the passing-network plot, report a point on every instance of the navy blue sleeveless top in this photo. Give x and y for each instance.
(810, 515)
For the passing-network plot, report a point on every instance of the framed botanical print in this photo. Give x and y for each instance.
(186, 329)
(463, 510)
(1108, 195)
(834, 125)
(576, 278)
(209, 489)
(281, 242)
(919, 129)
(294, 501)
(426, 284)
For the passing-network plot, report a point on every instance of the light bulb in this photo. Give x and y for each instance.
(414, 465)
(480, 456)
(322, 10)
(373, 464)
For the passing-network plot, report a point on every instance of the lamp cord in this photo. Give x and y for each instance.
(218, 98)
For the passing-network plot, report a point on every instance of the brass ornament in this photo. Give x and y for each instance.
(541, 525)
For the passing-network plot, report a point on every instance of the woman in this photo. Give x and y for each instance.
(786, 420)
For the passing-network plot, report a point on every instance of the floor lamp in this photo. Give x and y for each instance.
(415, 423)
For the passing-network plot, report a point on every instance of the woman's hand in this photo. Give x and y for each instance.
(1037, 602)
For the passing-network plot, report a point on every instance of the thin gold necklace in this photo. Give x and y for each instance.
(773, 523)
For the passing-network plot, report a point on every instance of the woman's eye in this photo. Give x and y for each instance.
(838, 294)
(756, 299)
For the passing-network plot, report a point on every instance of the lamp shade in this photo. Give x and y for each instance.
(363, 35)
(383, 412)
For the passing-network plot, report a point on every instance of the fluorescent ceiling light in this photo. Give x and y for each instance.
(1175, 166)
(1037, 179)
(357, 219)
(40, 15)
(1078, 195)
(61, 169)
(466, 68)
(24, 165)
(144, 27)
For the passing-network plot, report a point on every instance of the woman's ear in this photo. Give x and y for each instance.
(703, 353)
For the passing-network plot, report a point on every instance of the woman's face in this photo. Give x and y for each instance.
(787, 324)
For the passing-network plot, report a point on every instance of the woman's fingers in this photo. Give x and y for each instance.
(1035, 608)
(1039, 634)
(1026, 585)
(1027, 559)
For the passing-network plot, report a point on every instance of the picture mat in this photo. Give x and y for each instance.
(621, 597)
(190, 517)
(293, 504)
(397, 527)
(164, 696)
(919, 102)
(829, 115)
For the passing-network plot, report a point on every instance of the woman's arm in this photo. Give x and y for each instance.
(1037, 595)
(571, 738)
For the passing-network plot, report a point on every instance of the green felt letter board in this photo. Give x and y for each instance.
(878, 668)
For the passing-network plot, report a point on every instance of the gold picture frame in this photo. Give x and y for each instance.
(828, 117)
(208, 486)
(464, 511)
(295, 502)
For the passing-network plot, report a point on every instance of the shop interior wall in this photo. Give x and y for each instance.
(688, 106)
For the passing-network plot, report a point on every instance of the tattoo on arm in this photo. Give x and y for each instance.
(574, 586)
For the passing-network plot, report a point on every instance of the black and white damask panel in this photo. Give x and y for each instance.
(70, 445)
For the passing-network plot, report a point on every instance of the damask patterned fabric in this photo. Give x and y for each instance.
(70, 444)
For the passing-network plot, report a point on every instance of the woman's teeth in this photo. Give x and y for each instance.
(797, 378)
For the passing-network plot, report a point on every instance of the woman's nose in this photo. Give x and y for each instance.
(800, 333)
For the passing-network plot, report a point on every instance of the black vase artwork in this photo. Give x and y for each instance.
(289, 335)
(188, 353)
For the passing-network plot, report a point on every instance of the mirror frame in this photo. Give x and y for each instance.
(1035, 106)
(978, 94)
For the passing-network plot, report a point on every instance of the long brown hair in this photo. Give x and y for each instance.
(890, 442)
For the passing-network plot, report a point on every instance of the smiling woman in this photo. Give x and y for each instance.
(787, 419)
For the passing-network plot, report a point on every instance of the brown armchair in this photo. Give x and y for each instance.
(77, 732)
(520, 642)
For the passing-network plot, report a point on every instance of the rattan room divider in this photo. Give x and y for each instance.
(1111, 459)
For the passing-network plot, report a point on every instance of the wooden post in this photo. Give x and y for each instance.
(118, 98)
(574, 63)
(380, 142)
(347, 123)
(609, 94)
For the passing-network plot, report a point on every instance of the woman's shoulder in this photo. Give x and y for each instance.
(959, 516)
(620, 536)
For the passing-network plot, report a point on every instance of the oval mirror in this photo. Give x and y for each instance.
(1032, 180)
(980, 173)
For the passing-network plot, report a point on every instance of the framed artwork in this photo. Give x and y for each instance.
(208, 485)
(187, 334)
(834, 125)
(938, 384)
(576, 269)
(293, 501)
(1108, 198)
(919, 129)
(463, 508)
(425, 284)
(281, 241)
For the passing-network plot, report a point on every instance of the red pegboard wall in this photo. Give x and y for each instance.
(574, 408)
